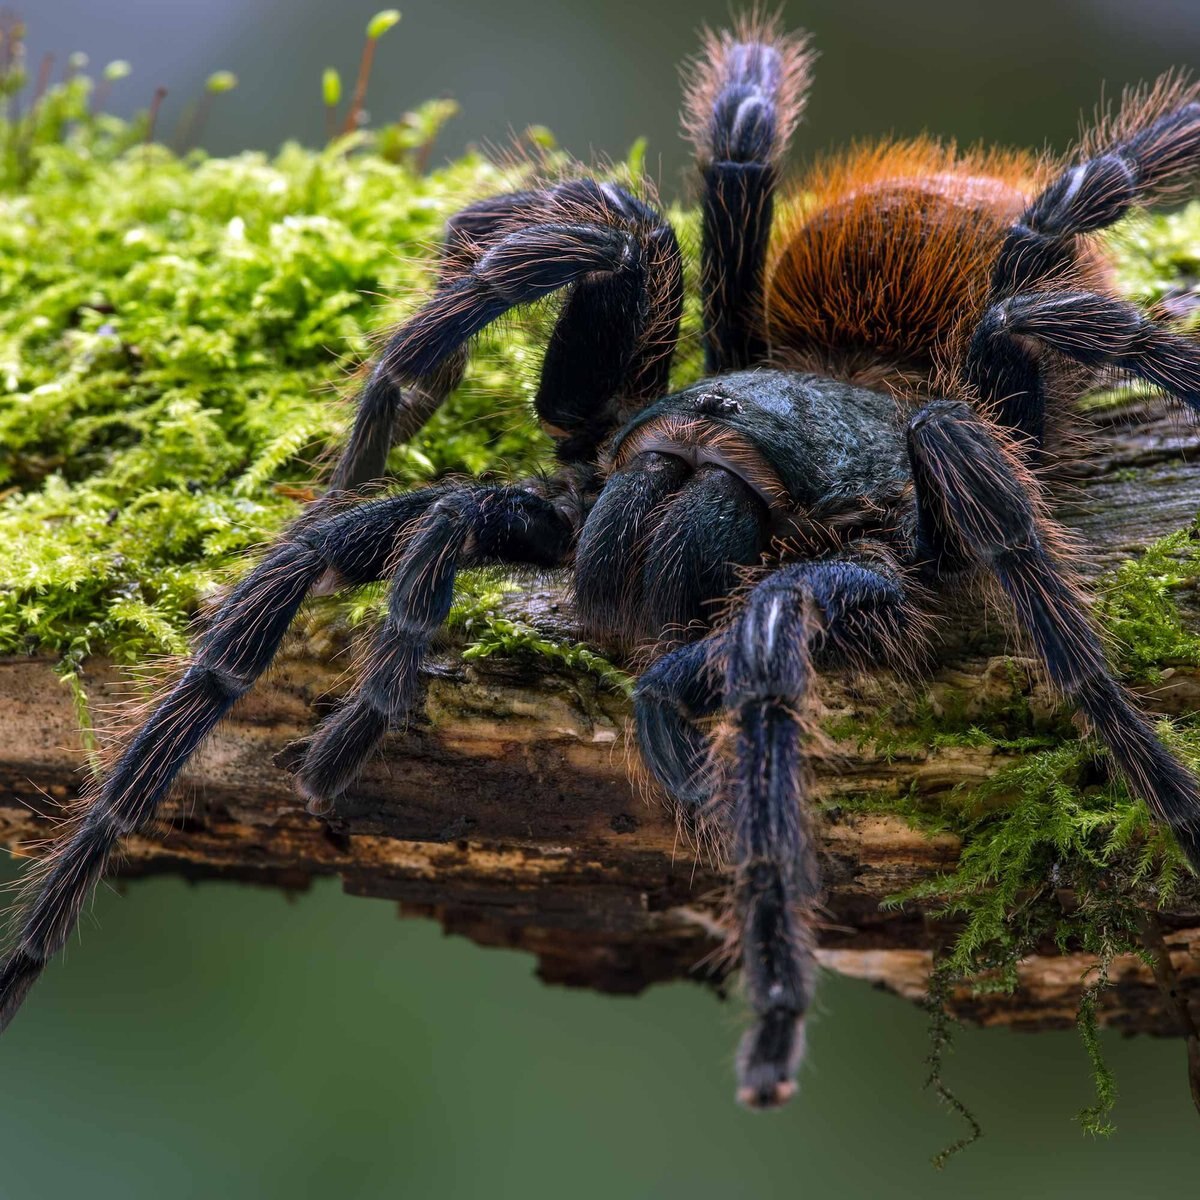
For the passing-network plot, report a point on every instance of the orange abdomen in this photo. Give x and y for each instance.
(881, 257)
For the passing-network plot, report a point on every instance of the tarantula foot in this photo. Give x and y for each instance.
(292, 759)
(317, 804)
(339, 749)
(319, 797)
(769, 1058)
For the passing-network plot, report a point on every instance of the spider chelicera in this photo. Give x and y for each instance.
(882, 358)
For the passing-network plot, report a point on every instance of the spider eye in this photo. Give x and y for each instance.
(715, 405)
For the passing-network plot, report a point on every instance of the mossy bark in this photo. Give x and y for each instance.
(511, 813)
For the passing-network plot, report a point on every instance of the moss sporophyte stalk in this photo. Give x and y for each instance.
(175, 334)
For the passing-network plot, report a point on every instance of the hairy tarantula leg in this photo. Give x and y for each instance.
(743, 97)
(679, 690)
(616, 334)
(471, 526)
(472, 229)
(234, 650)
(391, 409)
(614, 337)
(760, 672)
(519, 268)
(1153, 151)
(1158, 154)
(811, 612)
(1101, 331)
(977, 506)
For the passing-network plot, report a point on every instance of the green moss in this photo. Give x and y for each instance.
(1138, 605)
(173, 337)
(1154, 255)
(174, 333)
(1053, 850)
(490, 632)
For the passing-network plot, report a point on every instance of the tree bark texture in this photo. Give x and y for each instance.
(514, 817)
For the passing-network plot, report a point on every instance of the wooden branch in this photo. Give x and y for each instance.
(510, 815)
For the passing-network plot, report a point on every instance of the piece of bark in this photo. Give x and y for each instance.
(511, 815)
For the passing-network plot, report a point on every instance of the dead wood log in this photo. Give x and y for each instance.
(510, 814)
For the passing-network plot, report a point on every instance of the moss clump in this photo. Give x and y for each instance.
(1138, 605)
(1156, 256)
(1054, 850)
(493, 634)
(173, 336)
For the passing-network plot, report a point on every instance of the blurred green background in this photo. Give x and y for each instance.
(602, 74)
(221, 1041)
(215, 1040)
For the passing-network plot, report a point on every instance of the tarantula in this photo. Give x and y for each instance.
(884, 360)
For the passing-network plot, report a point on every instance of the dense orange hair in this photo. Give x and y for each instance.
(880, 254)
